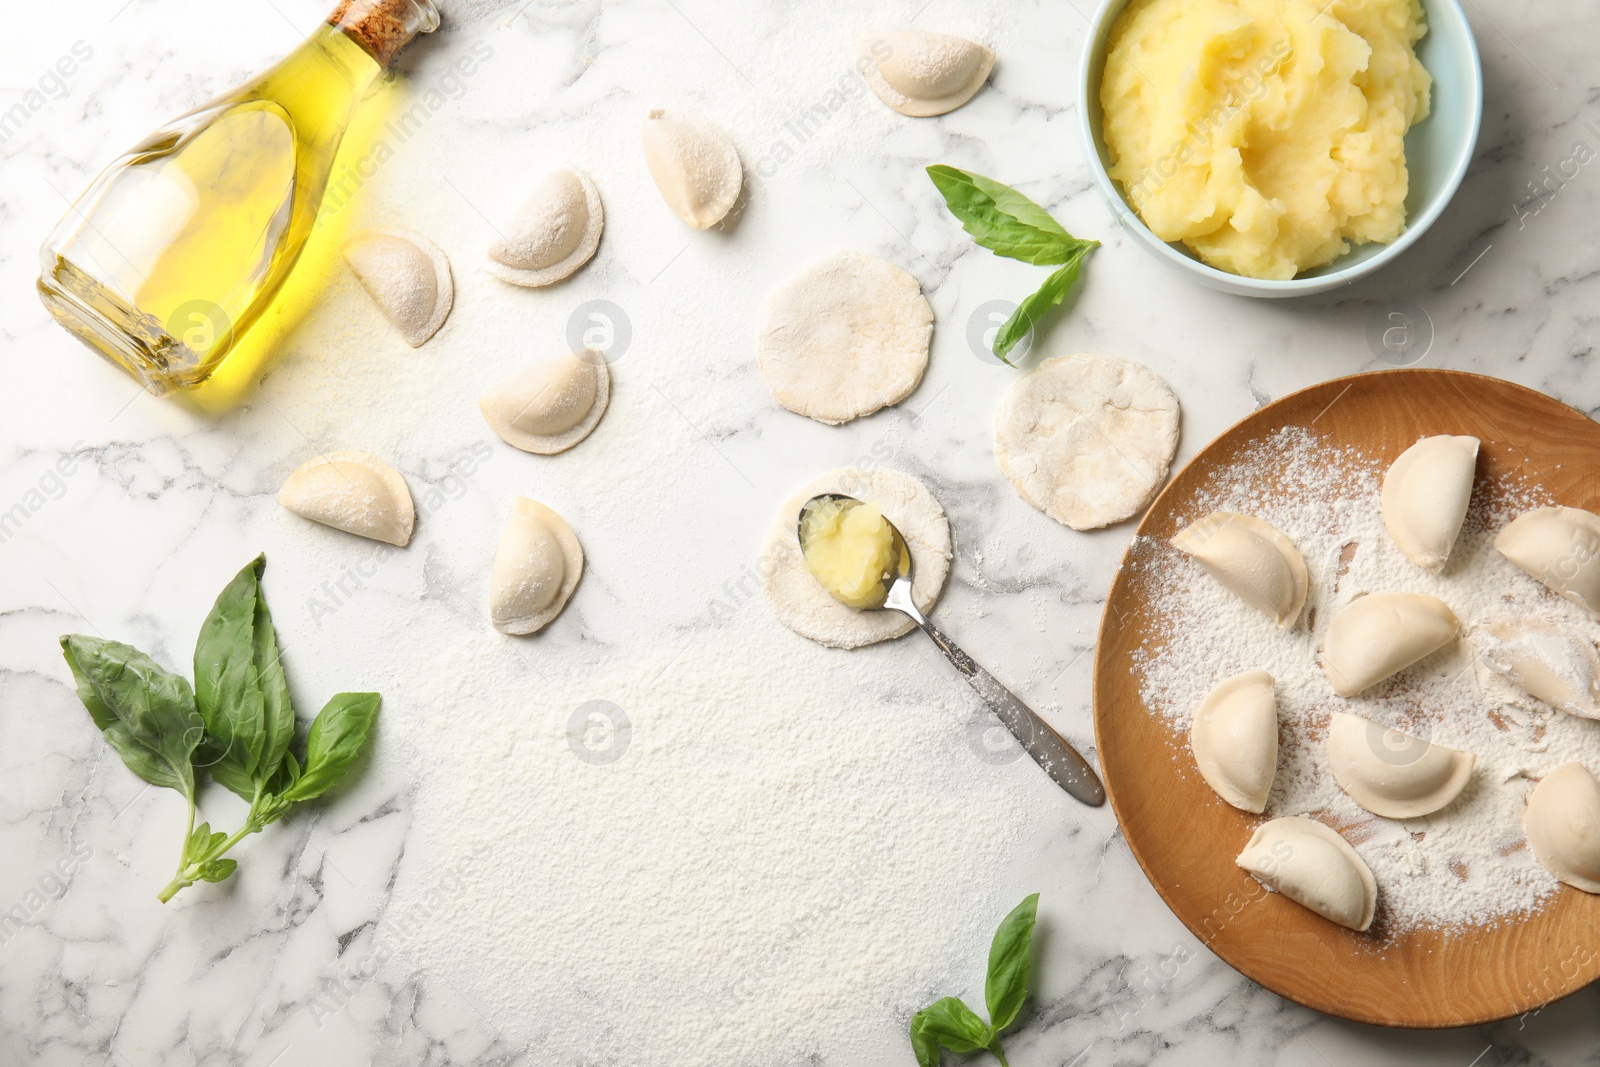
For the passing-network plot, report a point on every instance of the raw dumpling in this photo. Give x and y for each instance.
(352, 491)
(1563, 825)
(536, 568)
(1313, 866)
(556, 231)
(1561, 548)
(1425, 497)
(1087, 439)
(696, 168)
(407, 276)
(846, 337)
(1251, 559)
(552, 405)
(1381, 634)
(920, 73)
(1560, 668)
(1235, 739)
(1391, 773)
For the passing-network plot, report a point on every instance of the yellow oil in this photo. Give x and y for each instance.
(272, 337)
(175, 262)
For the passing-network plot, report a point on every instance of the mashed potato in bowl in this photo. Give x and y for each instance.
(1266, 135)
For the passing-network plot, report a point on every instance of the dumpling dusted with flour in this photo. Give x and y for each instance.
(1235, 739)
(536, 567)
(1381, 634)
(352, 491)
(1316, 868)
(407, 276)
(1556, 666)
(921, 73)
(694, 165)
(1563, 825)
(554, 233)
(1561, 548)
(1425, 497)
(1391, 773)
(552, 405)
(1252, 559)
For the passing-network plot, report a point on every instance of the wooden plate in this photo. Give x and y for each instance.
(1186, 838)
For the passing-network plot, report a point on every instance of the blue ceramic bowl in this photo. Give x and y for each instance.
(1438, 150)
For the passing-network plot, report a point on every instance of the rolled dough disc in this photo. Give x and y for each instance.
(845, 338)
(805, 607)
(1087, 439)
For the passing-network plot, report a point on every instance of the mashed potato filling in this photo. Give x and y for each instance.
(848, 547)
(1267, 135)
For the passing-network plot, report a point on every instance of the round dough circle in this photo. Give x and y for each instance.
(799, 600)
(1087, 439)
(846, 337)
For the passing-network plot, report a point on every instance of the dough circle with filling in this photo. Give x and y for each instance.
(800, 601)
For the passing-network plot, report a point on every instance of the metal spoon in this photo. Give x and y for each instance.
(1059, 759)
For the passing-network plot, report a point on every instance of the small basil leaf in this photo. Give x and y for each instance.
(1051, 293)
(288, 774)
(955, 1026)
(1001, 219)
(923, 1043)
(146, 713)
(269, 809)
(335, 740)
(1010, 960)
(217, 870)
(228, 684)
(198, 842)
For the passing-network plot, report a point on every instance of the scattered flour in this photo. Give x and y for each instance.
(740, 851)
(1468, 865)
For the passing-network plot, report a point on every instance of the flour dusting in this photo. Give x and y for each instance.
(1469, 864)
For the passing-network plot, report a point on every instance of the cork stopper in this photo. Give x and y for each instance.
(383, 27)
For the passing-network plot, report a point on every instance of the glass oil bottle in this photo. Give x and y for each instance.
(181, 246)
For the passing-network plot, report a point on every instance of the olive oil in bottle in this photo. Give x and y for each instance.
(181, 246)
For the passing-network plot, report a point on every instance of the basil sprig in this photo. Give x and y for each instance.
(237, 723)
(950, 1024)
(1009, 224)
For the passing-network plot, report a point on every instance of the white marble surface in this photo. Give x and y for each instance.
(153, 495)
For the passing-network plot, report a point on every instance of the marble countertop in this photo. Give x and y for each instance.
(108, 496)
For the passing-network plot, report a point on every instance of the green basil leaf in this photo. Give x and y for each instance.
(217, 870)
(230, 776)
(954, 1025)
(1051, 293)
(199, 838)
(203, 842)
(146, 713)
(228, 685)
(1010, 960)
(277, 713)
(1003, 220)
(923, 1043)
(337, 735)
(288, 774)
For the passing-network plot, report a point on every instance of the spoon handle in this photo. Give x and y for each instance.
(1058, 758)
